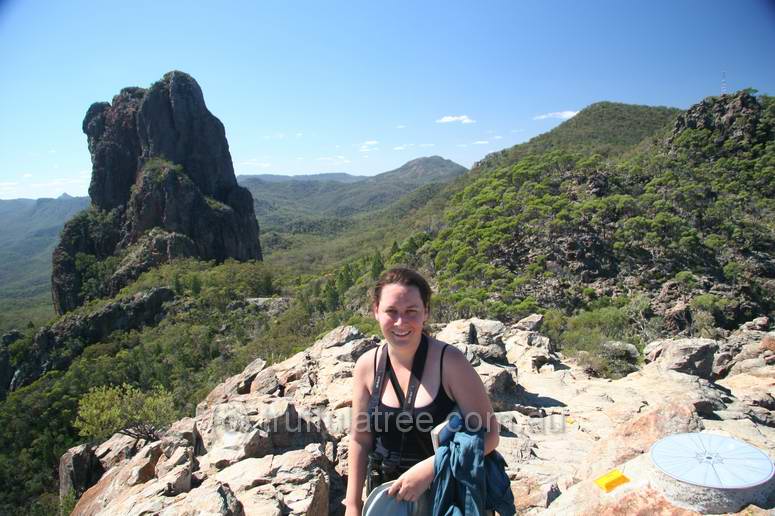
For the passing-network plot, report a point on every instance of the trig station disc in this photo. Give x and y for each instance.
(710, 460)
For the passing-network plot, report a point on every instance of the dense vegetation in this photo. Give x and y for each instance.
(28, 233)
(590, 235)
(601, 224)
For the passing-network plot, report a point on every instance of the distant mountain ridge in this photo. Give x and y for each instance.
(29, 230)
(318, 202)
(325, 176)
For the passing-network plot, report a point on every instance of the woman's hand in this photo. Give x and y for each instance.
(414, 482)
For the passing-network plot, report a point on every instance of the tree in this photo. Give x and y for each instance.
(106, 410)
(377, 265)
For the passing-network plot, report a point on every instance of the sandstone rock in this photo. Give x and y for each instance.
(760, 324)
(265, 382)
(337, 337)
(636, 436)
(530, 323)
(529, 494)
(178, 480)
(123, 483)
(654, 349)
(753, 390)
(740, 347)
(247, 474)
(529, 350)
(211, 498)
(117, 449)
(144, 464)
(500, 384)
(79, 469)
(692, 356)
(558, 429)
(261, 501)
(179, 456)
(487, 332)
(677, 318)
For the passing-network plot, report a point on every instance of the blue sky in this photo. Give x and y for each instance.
(308, 87)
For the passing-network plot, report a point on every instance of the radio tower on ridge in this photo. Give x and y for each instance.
(723, 83)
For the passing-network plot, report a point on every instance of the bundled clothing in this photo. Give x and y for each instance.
(468, 483)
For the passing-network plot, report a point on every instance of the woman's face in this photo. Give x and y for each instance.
(401, 314)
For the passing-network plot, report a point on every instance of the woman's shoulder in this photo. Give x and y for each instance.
(449, 350)
(364, 366)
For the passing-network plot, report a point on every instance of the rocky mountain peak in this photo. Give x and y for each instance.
(162, 187)
(729, 117)
(168, 120)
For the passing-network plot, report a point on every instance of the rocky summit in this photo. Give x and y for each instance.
(272, 440)
(162, 187)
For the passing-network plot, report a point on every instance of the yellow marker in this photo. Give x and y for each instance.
(570, 420)
(611, 480)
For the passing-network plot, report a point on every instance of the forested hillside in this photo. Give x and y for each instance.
(676, 235)
(310, 225)
(625, 222)
(29, 229)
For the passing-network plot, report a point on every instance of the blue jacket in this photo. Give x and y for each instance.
(466, 483)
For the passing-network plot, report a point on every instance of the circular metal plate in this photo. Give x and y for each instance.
(710, 460)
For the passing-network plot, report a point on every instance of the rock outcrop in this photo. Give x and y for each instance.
(273, 439)
(55, 346)
(162, 187)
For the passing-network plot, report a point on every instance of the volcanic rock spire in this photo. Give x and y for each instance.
(162, 187)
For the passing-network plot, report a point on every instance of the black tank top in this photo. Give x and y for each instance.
(388, 428)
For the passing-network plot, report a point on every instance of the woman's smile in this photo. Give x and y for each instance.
(401, 314)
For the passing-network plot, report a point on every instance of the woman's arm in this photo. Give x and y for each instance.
(471, 397)
(361, 440)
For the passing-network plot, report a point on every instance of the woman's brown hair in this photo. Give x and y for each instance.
(405, 277)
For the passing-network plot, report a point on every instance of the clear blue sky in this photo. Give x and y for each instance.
(328, 86)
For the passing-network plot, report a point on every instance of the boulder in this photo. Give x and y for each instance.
(500, 384)
(211, 498)
(79, 469)
(753, 390)
(529, 350)
(691, 356)
(530, 323)
(488, 333)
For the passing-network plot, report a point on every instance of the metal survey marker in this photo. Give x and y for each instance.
(710, 460)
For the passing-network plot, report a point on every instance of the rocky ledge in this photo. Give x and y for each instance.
(273, 439)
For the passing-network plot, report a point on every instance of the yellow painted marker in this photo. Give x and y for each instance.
(611, 480)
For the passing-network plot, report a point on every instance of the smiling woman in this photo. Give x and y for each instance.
(390, 436)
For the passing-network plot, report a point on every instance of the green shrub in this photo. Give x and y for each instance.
(106, 410)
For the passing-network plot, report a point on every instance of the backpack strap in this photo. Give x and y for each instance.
(379, 377)
(418, 365)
